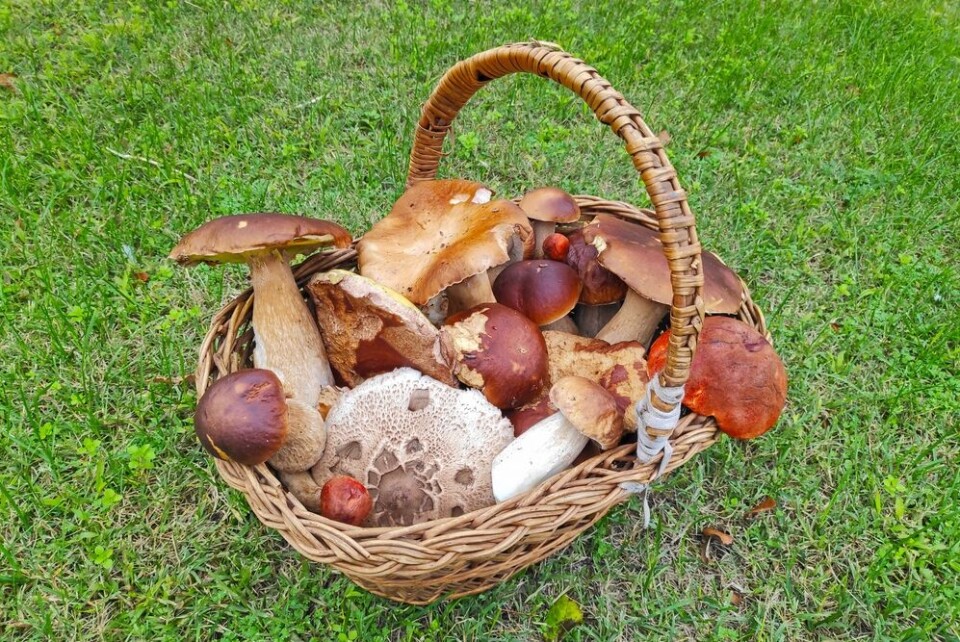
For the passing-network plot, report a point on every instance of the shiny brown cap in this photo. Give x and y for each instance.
(550, 204)
(231, 239)
(600, 285)
(242, 417)
(633, 252)
(540, 289)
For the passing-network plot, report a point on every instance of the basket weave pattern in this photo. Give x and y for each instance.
(473, 552)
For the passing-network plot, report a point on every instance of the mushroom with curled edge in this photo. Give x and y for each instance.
(546, 207)
(736, 377)
(244, 417)
(601, 291)
(584, 411)
(442, 237)
(369, 329)
(498, 351)
(422, 448)
(634, 253)
(542, 290)
(286, 338)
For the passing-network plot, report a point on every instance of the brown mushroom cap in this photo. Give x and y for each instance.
(438, 234)
(634, 253)
(498, 351)
(550, 204)
(232, 239)
(242, 417)
(600, 285)
(368, 329)
(590, 408)
(422, 448)
(736, 377)
(542, 290)
(529, 415)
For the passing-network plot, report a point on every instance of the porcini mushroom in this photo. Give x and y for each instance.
(345, 499)
(545, 207)
(542, 290)
(634, 253)
(736, 377)
(443, 236)
(601, 290)
(584, 411)
(422, 448)
(286, 338)
(369, 329)
(244, 417)
(498, 351)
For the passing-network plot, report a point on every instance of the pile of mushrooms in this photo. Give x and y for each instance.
(480, 347)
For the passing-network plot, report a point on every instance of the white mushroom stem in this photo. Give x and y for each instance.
(286, 337)
(636, 320)
(591, 318)
(471, 292)
(541, 230)
(302, 486)
(563, 324)
(306, 438)
(545, 449)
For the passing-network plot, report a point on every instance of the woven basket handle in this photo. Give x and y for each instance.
(676, 223)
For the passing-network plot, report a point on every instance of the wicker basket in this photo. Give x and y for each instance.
(473, 552)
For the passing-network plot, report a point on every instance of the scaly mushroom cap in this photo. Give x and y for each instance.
(498, 351)
(422, 448)
(242, 417)
(590, 408)
(232, 239)
(440, 233)
(736, 377)
(634, 253)
(368, 329)
(540, 289)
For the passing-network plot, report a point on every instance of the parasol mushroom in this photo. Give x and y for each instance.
(634, 253)
(736, 377)
(443, 236)
(286, 338)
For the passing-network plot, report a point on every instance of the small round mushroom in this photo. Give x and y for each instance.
(634, 253)
(369, 329)
(736, 377)
(542, 290)
(498, 351)
(286, 338)
(585, 411)
(422, 448)
(443, 236)
(344, 499)
(545, 207)
(556, 247)
(244, 417)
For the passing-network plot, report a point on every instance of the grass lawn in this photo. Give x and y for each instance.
(819, 143)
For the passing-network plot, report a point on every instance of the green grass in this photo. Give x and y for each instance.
(819, 143)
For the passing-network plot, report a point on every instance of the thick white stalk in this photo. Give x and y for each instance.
(545, 449)
(636, 320)
(286, 337)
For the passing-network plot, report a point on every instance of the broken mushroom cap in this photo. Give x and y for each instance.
(369, 329)
(541, 290)
(498, 351)
(286, 338)
(736, 377)
(430, 454)
(590, 408)
(442, 235)
(242, 417)
(634, 253)
(545, 207)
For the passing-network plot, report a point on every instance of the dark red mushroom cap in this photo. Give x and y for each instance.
(541, 290)
(242, 417)
(600, 285)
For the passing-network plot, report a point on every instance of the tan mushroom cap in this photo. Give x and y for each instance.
(590, 408)
(736, 377)
(440, 233)
(550, 204)
(368, 329)
(231, 239)
(423, 449)
(634, 253)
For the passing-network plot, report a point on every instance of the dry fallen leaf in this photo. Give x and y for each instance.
(736, 598)
(725, 538)
(767, 503)
(142, 276)
(7, 81)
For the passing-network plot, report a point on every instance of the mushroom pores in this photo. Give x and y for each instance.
(344, 499)
(736, 377)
